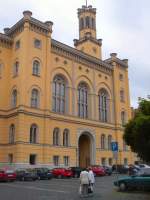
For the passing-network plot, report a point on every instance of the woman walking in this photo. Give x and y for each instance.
(84, 183)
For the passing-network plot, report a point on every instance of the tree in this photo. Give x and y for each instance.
(137, 131)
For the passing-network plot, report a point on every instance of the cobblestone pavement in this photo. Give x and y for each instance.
(65, 189)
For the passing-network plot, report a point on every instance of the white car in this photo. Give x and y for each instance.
(144, 166)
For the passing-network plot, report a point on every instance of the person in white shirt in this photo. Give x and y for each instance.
(84, 183)
(91, 178)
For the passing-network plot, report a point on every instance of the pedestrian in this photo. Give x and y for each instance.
(91, 179)
(84, 183)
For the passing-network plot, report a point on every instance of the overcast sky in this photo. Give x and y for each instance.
(124, 26)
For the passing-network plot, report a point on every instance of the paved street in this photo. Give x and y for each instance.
(65, 189)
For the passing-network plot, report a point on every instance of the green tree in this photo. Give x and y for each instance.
(137, 131)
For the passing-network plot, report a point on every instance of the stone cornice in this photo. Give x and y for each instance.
(91, 39)
(54, 116)
(34, 24)
(117, 60)
(78, 56)
(5, 40)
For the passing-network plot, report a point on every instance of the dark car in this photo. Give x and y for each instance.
(76, 171)
(62, 173)
(122, 169)
(26, 175)
(133, 182)
(7, 175)
(108, 170)
(43, 173)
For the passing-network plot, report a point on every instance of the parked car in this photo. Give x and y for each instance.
(26, 175)
(7, 175)
(133, 182)
(43, 173)
(108, 170)
(98, 171)
(122, 169)
(62, 173)
(144, 166)
(76, 171)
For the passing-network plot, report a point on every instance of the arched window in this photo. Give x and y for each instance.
(12, 134)
(83, 100)
(103, 142)
(103, 105)
(1, 68)
(14, 98)
(35, 98)
(59, 94)
(16, 68)
(33, 133)
(93, 23)
(66, 137)
(87, 20)
(36, 68)
(122, 98)
(109, 142)
(123, 118)
(125, 161)
(81, 23)
(125, 147)
(56, 137)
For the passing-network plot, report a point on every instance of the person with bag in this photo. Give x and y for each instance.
(91, 180)
(84, 183)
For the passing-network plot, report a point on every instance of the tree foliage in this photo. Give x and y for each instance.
(137, 131)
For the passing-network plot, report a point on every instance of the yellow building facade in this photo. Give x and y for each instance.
(60, 106)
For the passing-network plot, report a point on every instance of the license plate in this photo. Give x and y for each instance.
(10, 175)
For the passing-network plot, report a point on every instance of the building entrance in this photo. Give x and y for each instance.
(84, 151)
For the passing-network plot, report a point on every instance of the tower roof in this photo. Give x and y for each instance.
(86, 8)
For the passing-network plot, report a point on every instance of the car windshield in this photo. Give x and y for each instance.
(9, 171)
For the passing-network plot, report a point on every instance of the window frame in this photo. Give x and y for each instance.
(59, 94)
(35, 98)
(37, 46)
(36, 68)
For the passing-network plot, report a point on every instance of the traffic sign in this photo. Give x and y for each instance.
(114, 146)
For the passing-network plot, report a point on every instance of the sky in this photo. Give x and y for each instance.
(124, 26)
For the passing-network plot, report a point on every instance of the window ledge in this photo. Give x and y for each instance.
(37, 75)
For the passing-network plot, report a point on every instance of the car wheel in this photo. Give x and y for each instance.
(122, 187)
(22, 178)
(39, 178)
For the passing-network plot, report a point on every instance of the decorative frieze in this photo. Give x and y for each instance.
(80, 57)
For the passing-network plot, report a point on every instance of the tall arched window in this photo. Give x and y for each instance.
(87, 20)
(103, 141)
(103, 105)
(56, 137)
(66, 137)
(125, 147)
(123, 118)
(36, 68)
(16, 68)
(33, 133)
(93, 23)
(83, 100)
(1, 68)
(81, 23)
(12, 134)
(14, 98)
(109, 142)
(59, 94)
(122, 97)
(35, 98)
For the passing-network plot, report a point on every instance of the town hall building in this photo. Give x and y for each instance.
(59, 105)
